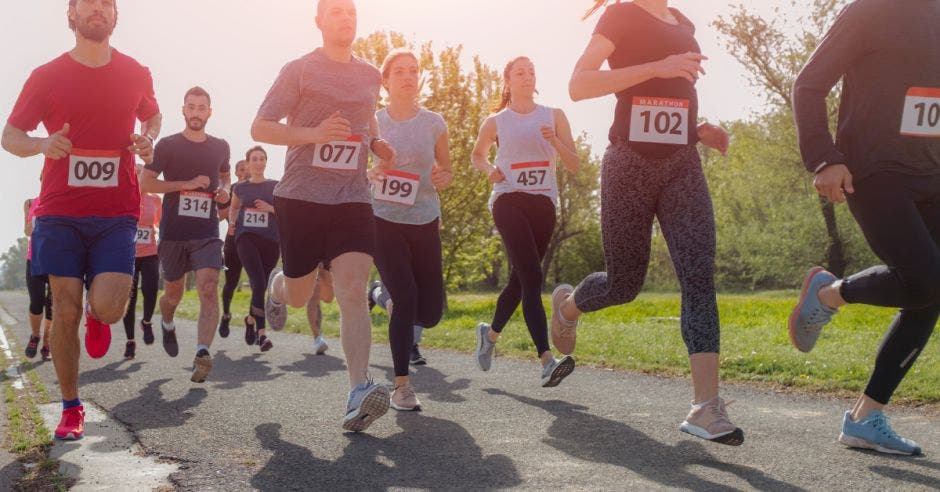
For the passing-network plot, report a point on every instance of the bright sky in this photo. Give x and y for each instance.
(235, 48)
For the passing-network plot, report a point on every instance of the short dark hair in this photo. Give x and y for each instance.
(198, 92)
(72, 23)
(256, 148)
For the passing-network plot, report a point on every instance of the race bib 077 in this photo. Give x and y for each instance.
(342, 155)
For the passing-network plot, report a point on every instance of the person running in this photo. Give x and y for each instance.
(885, 162)
(40, 298)
(195, 167)
(89, 100)
(146, 272)
(407, 216)
(256, 239)
(652, 169)
(233, 266)
(379, 296)
(529, 139)
(323, 203)
(323, 292)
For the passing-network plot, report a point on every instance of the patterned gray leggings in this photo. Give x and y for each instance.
(634, 190)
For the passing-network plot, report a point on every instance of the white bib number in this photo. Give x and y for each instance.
(145, 235)
(195, 204)
(532, 176)
(342, 155)
(255, 218)
(94, 168)
(921, 113)
(398, 187)
(660, 120)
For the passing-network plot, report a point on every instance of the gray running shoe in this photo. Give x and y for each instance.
(485, 347)
(558, 370)
(810, 314)
(564, 333)
(276, 315)
(367, 402)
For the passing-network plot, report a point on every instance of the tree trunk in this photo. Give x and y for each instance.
(835, 252)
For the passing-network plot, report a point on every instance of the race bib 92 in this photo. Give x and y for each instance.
(660, 120)
(94, 168)
(531, 176)
(145, 235)
(342, 155)
(921, 116)
(197, 204)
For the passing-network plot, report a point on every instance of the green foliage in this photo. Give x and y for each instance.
(14, 265)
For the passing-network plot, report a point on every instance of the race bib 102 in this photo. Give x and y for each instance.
(342, 155)
(398, 187)
(255, 218)
(660, 120)
(921, 116)
(531, 176)
(94, 168)
(197, 204)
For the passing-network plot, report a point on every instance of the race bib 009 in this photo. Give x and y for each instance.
(921, 116)
(94, 168)
(342, 155)
(660, 120)
(197, 204)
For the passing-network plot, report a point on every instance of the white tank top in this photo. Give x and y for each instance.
(524, 156)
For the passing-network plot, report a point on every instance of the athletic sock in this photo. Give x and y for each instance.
(168, 326)
(67, 404)
(200, 348)
(419, 334)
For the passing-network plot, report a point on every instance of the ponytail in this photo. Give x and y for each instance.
(506, 97)
(597, 6)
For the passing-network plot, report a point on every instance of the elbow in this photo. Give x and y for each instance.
(257, 131)
(575, 92)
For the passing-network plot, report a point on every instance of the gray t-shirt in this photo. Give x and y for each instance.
(307, 91)
(413, 141)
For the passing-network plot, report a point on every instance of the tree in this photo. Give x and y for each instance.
(14, 265)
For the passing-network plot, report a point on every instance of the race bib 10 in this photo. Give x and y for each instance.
(197, 204)
(342, 155)
(255, 218)
(921, 116)
(94, 168)
(532, 176)
(398, 187)
(146, 235)
(660, 120)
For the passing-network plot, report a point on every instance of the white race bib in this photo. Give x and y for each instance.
(532, 176)
(398, 187)
(342, 155)
(94, 168)
(921, 113)
(660, 120)
(145, 235)
(255, 218)
(196, 204)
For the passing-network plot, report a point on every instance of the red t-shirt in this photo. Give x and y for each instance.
(101, 105)
(150, 210)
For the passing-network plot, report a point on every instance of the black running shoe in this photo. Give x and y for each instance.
(32, 347)
(147, 327)
(416, 358)
(371, 292)
(45, 353)
(223, 325)
(250, 333)
(265, 343)
(169, 341)
(130, 349)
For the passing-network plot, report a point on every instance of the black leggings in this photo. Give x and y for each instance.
(634, 191)
(900, 217)
(408, 258)
(147, 276)
(258, 256)
(40, 294)
(233, 273)
(526, 223)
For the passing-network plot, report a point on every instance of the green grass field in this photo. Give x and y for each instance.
(644, 336)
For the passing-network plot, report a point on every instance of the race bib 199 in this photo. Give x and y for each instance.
(196, 204)
(398, 187)
(660, 120)
(342, 155)
(921, 116)
(255, 218)
(532, 176)
(145, 235)
(94, 168)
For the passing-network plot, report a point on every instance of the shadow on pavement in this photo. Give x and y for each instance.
(432, 383)
(150, 411)
(591, 438)
(428, 453)
(906, 476)
(233, 374)
(316, 366)
(118, 370)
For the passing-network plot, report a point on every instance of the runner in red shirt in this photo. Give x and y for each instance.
(88, 100)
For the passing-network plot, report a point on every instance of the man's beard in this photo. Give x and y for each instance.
(195, 124)
(96, 33)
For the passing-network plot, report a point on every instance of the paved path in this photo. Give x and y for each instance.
(272, 422)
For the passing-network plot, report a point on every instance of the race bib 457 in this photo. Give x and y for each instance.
(660, 120)
(921, 116)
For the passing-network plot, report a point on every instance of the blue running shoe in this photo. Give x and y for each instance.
(874, 432)
(367, 402)
(810, 315)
